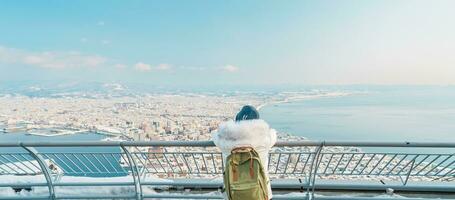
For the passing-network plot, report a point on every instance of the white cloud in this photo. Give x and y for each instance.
(50, 59)
(230, 68)
(163, 67)
(105, 42)
(120, 66)
(140, 66)
(192, 68)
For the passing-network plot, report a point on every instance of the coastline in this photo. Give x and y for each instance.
(53, 133)
(303, 97)
(50, 134)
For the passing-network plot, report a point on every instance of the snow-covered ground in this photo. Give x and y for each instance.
(125, 190)
(72, 190)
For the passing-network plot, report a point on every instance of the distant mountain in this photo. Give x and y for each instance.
(65, 89)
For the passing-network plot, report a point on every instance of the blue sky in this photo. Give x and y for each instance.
(229, 42)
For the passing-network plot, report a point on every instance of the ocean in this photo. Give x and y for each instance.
(406, 113)
(65, 162)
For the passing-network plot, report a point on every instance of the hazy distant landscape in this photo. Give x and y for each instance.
(368, 112)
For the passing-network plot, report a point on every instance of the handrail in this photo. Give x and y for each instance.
(144, 160)
(209, 143)
(47, 174)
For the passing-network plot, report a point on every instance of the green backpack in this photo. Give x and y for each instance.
(244, 177)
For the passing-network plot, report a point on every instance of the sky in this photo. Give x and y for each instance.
(235, 42)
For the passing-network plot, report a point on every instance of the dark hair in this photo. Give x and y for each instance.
(247, 113)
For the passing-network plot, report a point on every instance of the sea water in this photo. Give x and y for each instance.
(104, 165)
(398, 114)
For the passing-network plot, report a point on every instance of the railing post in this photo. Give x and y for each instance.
(409, 172)
(44, 169)
(314, 167)
(135, 173)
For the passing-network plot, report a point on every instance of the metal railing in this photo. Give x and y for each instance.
(143, 170)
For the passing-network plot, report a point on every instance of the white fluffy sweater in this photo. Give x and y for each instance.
(254, 133)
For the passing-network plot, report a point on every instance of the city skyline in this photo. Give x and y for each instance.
(229, 43)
